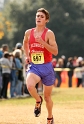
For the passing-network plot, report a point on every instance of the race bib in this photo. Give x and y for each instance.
(37, 58)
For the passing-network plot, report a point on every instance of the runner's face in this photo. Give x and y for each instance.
(40, 19)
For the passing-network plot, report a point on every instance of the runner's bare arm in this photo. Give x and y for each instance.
(26, 43)
(51, 45)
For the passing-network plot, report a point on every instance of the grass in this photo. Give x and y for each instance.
(68, 94)
(59, 95)
(68, 108)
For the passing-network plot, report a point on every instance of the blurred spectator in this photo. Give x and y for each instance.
(78, 71)
(3, 49)
(18, 48)
(82, 73)
(19, 73)
(75, 63)
(54, 62)
(0, 80)
(64, 61)
(13, 77)
(59, 65)
(6, 70)
(71, 71)
(1, 53)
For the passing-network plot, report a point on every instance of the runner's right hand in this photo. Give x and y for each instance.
(27, 60)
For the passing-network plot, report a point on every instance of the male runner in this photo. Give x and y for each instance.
(39, 44)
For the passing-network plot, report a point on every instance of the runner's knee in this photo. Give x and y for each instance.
(30, 87)
(47, 98)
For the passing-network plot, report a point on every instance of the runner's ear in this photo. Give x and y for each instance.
(47, 21)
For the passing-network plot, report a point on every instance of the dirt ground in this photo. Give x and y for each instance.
(23, 114)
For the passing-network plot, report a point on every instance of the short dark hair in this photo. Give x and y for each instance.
(4, 46)
(6, 54)
(45, 12)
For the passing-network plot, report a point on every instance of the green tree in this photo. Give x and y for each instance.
(22, 16)
(67, 22)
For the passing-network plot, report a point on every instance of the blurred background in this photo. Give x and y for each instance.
(66, 20)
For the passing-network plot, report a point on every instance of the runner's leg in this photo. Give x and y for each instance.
(31, 81)
(47, 97)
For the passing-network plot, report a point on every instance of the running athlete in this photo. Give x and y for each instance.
(39, 45)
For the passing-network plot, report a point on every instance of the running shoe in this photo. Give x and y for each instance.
(37, 109)
(50, 120)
